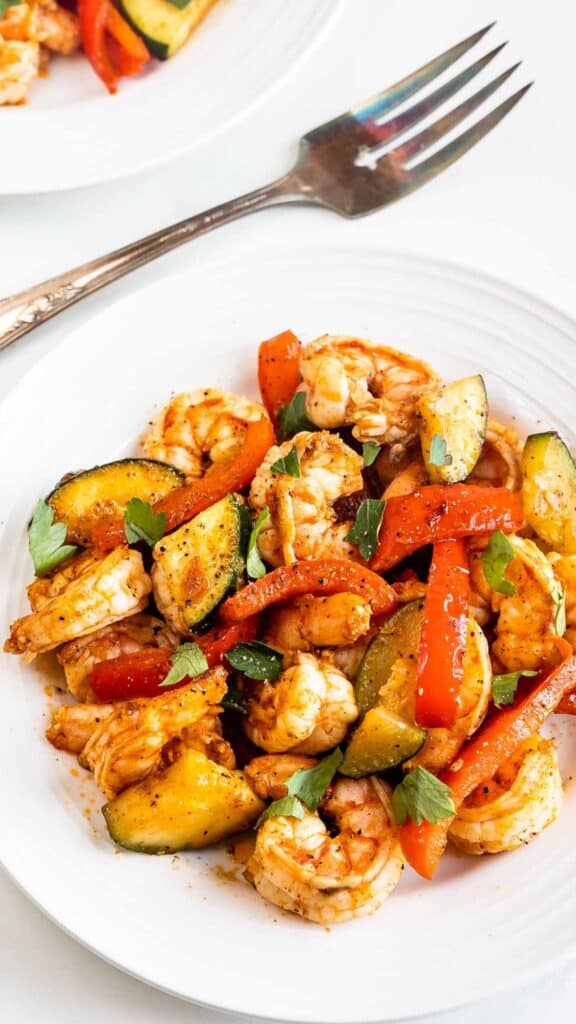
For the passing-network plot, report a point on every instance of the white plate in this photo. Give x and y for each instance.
(484, 923)
(240, 52)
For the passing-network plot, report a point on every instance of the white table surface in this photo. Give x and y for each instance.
(508, 208)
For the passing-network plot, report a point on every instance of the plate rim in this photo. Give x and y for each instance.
(209, 136)
(465, 275)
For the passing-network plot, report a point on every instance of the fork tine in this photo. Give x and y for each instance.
(396, 126)
(406, 87)
(409, 149)
(423, 172)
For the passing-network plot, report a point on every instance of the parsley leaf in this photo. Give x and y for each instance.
(46, 540)
(233, 700)
(310, 784)
(422, 797)
(289, 464)
(254, 565)
(364, 532)
(495, 558)
(142, 523)
(5, 4)
(370, 452)
(504, 686)
(187, 660)
(256, 660)
(560, 613)
(292, 418)
(288, 806)
(306, 787)
(437, 456)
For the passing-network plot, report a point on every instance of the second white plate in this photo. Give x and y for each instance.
(180, 923)
(240, 52)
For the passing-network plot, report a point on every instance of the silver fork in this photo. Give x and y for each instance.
(341, 165)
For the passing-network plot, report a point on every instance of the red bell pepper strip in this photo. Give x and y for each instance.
(128, 40)
(439, 512)
(479, 760)
(93, 17)
(139, 674)
(443, 640)
(279, 371)
(185, 502)
(329, 576)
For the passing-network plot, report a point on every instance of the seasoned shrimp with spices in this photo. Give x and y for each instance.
(78, 657)
(564, 567)
(303, 522)
(268, 774)
(523, 798)
(123, 742)
(500, 462)
(309, 622)
(307, 710)
(331, 876)
(527, 624)
(200, 428)
(375, 389)
(88, 593)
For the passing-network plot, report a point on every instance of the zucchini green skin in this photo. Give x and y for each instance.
(399, 637)
(163, 26)
(549, 490)
(193, 803)
(198, 565)
(381, 741)
(86, 497)
(458, 415)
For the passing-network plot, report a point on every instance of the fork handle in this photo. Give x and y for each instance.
(24, 311)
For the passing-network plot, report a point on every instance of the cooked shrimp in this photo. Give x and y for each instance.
(525, 630)
(78, 657)
(300, 866)
(500, 461)
(565, 571)
(88, 593)
(303, 523)
(307, 710)
(199, 428)
(375, 389)
(19, 63)
(309, 622)
(515, 806)
(268, 774)
(123, 742)
(204, 735)
(58, 29)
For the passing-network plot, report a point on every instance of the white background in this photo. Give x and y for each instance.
(508, 208)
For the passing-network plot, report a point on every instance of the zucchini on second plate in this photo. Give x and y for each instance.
(453, 429)
(165, 26)
(198, 565)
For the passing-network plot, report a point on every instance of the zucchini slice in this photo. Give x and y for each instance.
(83, 499)
(399, 637)
(381, 741)
(457, 417)
(163, 25)
(193, 803)
(199, 564)
(549, 490)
